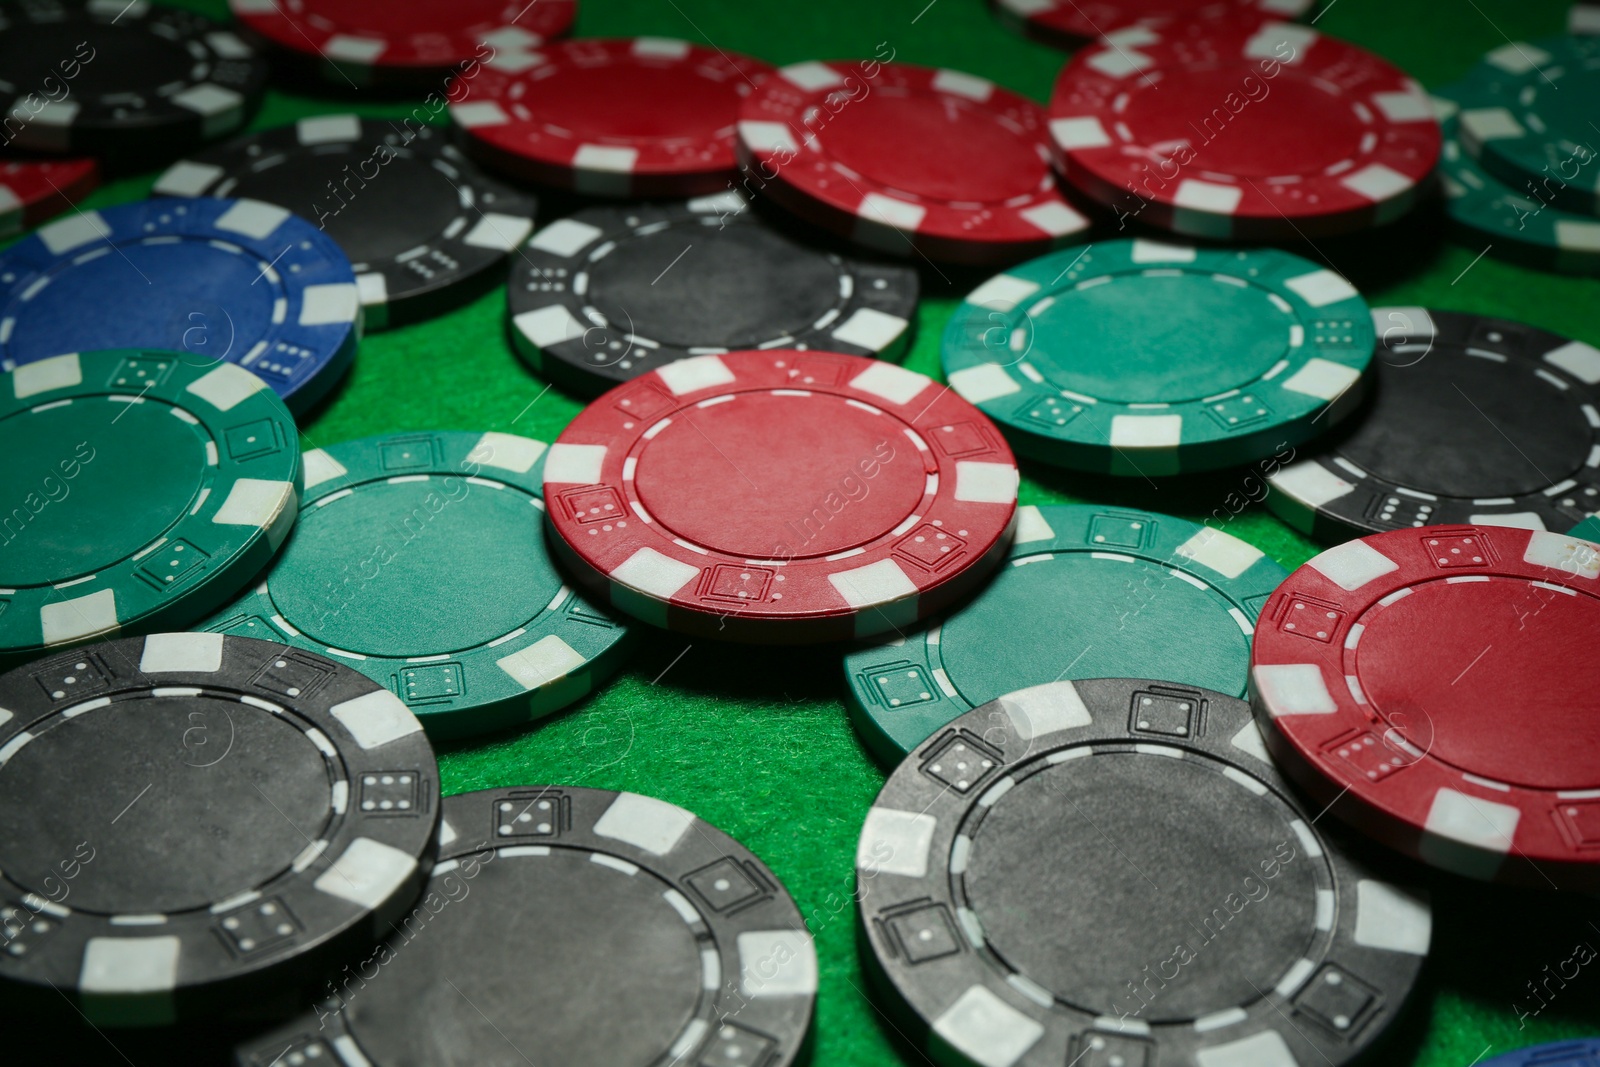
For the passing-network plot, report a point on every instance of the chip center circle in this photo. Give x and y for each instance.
(764, 475)
(620, 966)
(1312, 126)
(135, 475)
(415, 568)
(35, 54)
(1159, 337)
(1063, 859)
(400, 20)
(210, 302)
(681, 104)
(1496, 678)
(182, 801)
(935, 146)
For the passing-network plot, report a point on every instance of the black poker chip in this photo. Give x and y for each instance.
(188, 821)
(425, 229)
(1113, 872)
(610, 293)
(578, 927)
(131, 82)
(1472, 421)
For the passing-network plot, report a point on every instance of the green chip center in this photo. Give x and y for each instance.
(90, 483)
(415, 568)
(1155, 338)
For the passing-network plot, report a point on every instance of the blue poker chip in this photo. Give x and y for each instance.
(1581, 1053)
(239, 281)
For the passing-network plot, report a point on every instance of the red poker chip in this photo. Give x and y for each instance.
(1270, 131)
(405, 39)
(905, 159)
(1070, 23)
(781, 496)
(1437, 686)
(642, 116)
(34, 190)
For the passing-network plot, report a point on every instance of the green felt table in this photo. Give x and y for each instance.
(756, 740)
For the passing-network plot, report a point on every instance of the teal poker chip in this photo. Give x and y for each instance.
(420, 560)
(1527, 114)
(1516, 226)
(1087, 592)
(1135, 357)
(143, 489)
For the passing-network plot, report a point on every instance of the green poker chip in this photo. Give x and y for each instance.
(142, 490)
(420, 561)
(1516, 226)
(1141, 358)
(1087, 592)
(1528, 113)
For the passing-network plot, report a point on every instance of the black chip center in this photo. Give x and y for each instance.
(699, 285)
(184, 802)
(374, 203)
(550, 959)
(1467, 426)
(1138, 868)
(124, 59)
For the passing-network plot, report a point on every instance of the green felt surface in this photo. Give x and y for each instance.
(756, 741)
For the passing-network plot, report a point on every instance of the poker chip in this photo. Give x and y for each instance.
(508, 643)
(1097, 590)
(36, 189)
(781, 496)
(403, 44)
(1113, 872)
(1070, 24)
(424, 228)
(1252, 352)
(148, 491)
(587, 890)
(908, 160)
(189, 819)
(1527, 114)
(610, 293)
(1556, 1054)
(1473, 420)
(146, 80)
(219, 280)
(630, 117)
(1516, 227)
(1390, 684)
(1311, 135)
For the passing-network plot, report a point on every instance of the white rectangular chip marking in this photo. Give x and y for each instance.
(1002, 292)
(762, 137)
(483, 113)
(870, 329)
(1264, 1049)
(1209, 197)
(1085, 131)
(507, 451)
(320, 467)
(895, 842)
(498, 231)
(1352, 564)
(694, 374)
(891, 383)
(549, 325)
(368, 874)
(652, 572)
(607, 159)
(1482, 124)
(1146, 431)
(189, 653)
(986, 483)
(125, 965)
(1220, 552)
(565, 237)
(777, 963)
(891, 211)
(84, 616)
(987, 1030)
(1319, 288)
(1485, 827)
(47, 375)
(226, 386)
(1391, 918)
(1571, 556)
(187, 179)
(1377, 183)
(1577, 359)
(644, 822)
(542, 663)
(73, 232)
(983, 383)
(574, 464)
(1293, 689)
(328, 129)
(1032, 525)
(1322, 378)
(876, 583)
(1147, 251)
(329, 305)
(376, 718)
(1310, 483)
(1249, 740)
(1046, 709)
(254, 502)
(1521, 520)
(253, 218)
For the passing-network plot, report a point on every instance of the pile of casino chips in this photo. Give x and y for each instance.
(231, 652)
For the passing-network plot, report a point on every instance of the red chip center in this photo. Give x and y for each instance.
(669, 102)
(1300, 127)
(398, 18)
(935, 146)
(765, 476)
(1507, 676)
